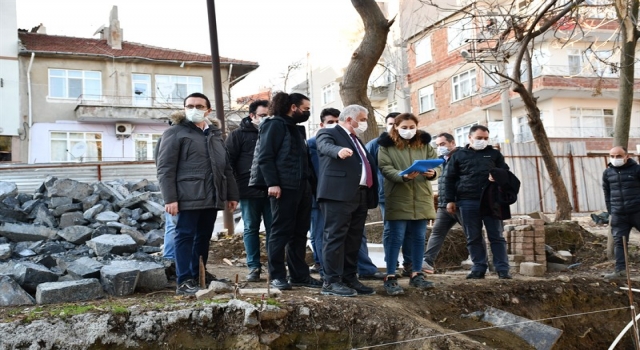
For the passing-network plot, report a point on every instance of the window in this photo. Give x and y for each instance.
(5, 148)
(524, 131)
(587, 122)
(602, 63)
(462, 134)
(146, 146)
(459, 32)
(328, 93)
(463, 85)
(141, 89)
(423, 51)
(575, 61)
(392, 107)
(73, 84)
(62, 143)
(174, 88)
(425, 99)
(491, 79)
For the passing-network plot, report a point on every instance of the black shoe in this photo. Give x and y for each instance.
(315, 268)
(406, 270)
(360, 288)
(391, 286)
(310, 282)
(188, 287)
(209, 277)
(254, 275)
(504, 275)
(338, 289)
(375, 276)
(475, 275)
(280, 284)
(419, 282)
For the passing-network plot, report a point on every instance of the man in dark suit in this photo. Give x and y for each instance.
(347, 188)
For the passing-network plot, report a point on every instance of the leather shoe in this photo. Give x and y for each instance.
(376, 276)
(360, 288)
(475, 275)
(280, 284)
(254, 275)
(310, 282)
(504, 275)
(338, 289)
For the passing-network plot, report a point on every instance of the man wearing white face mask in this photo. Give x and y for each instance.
(621, 185)
(467, 175)
(195, 179)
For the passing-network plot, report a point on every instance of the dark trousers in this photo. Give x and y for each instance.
(193, 235)
(621, 227)
(343, 230)
(291, 221)
(444, 223)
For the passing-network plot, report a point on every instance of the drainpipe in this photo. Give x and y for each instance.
(29, 161)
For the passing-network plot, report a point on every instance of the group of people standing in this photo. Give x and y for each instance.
(327, 184)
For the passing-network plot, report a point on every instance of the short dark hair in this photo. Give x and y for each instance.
(391, 115)
(253, 107)
(446, 136)
(282, 101)
(329, 111)
(198, 95)
(478, 127)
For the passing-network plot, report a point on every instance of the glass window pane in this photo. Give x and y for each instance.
(75, 74)
(75, 88)
(92, 89)
(57, 87)
(76, 136)
(58, 151)
(57, 73)
(92, 75)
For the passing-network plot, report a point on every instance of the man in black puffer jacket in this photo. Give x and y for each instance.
(621, 185)
(254, 202)
(467, 175)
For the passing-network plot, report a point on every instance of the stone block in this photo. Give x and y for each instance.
(152, 275)
(58, 201)
(155, 238)
(51, 247)
(112, 244)
(133, 233)
(58, 211)
(74, 218)
(26, 232)
(69, 291)
(44, 215)
(536, 334)
(76, 234)
(107, 216)
(259, 291)
(29, 275)
(8, 189)
(11, 294)
(5, 251)
(134, 186)
(93, 211)
(84, 267)
(154, 208)
(119, 280)
(70, 188)
(90, 201)
(532, 269)
(132, 200)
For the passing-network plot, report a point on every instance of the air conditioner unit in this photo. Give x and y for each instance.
(123, 129)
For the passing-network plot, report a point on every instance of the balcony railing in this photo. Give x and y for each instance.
(128, 101)
(569, 132)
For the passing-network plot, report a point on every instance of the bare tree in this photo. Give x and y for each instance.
(290, 69)
(353, 89)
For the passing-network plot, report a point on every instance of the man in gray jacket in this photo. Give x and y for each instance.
(195, 179)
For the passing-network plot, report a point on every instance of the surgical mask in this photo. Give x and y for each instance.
(362, 127)
(617, 161)
(194, 115)
(330, 126)
(389, 127)
(479, 145)
(443, 151)
(256, 121)
(407, 134)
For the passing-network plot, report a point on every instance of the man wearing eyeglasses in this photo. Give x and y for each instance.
(254, 202)
(195, 179)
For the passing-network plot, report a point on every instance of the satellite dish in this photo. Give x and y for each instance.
(78, 150)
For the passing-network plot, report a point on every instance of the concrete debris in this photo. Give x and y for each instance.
(70, 291)
(12, 295)
(540, 336)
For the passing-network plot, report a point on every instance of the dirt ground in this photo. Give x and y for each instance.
(589, 311)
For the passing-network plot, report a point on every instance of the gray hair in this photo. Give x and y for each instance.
(352, 111)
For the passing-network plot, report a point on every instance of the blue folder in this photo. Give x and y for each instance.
(422, 166)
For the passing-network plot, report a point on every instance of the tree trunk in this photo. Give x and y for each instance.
(353, 89)
(563, 205)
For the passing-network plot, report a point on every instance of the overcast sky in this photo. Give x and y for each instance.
(273, 33)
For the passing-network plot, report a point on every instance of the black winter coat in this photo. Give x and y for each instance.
(467, 172)
(621, 187)
(241, 145)
(442, 203)
(281, 157)
(499, 194)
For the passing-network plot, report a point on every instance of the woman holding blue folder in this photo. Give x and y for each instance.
(409, 197)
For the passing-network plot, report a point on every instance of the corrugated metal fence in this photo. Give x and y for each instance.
(582, 174)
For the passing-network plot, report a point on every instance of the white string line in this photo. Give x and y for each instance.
(487, 328)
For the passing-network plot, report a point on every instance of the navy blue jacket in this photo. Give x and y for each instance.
(621, 187)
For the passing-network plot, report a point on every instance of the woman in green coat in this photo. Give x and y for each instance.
(409, 198)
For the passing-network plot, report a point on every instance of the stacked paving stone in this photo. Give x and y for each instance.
(526, 245)
(72, 241)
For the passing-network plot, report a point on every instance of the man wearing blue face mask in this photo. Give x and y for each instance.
(467, 176)
(621, 185)
(195, 179)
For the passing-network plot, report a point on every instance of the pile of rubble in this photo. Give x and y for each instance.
(72, 241)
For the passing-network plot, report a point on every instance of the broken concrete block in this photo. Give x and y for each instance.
(259, 291)
(119, 280)
(74, 218)
(5, 251)
(58, 201)
(70, 188)
(91, 212)
(540, 336)
(133, 233)
(8, 189)
(29, 275)
(566, 255)
(154, 238)
(112, 244)
(532, 269)
(138, 185)
(76, 234)
(84, 267)
(107, 216)
(152, 275)
(11, 294)
(90, 201)
(70, 291)
(25, 232)
(43, 215)
(58, 211)
(154, 208)
(132, 200)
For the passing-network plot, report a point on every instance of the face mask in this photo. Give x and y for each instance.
(194, 115)
(443, 151)
(479, 145)
(617, 161)
(407, 134)
(330, 126)
(389, 127)
(301, 117)
(256, 121)
(362, 127)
